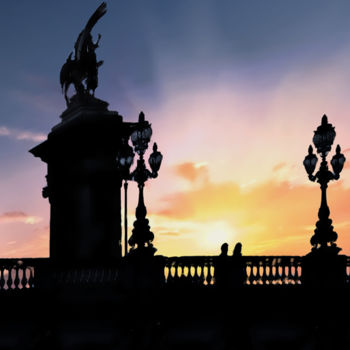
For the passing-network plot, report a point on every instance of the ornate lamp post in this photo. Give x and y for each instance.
(324, 238)
(141, 237)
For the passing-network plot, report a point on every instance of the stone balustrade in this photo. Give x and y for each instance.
(18, 273)
(23, 274)
(259, 270)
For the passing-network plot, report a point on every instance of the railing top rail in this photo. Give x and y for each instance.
(245, 257)
(24, 261)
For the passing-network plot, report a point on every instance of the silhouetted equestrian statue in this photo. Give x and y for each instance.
(84, 66)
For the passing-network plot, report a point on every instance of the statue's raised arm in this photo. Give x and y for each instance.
(84, 67)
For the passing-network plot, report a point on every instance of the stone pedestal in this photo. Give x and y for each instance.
(324, 270)
(83, 183)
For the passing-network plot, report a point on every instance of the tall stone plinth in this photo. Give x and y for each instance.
(83, 184)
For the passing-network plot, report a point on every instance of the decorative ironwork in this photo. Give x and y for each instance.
(324, 238)
(142, 237)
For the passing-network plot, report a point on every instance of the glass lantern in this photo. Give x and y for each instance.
(310, 161)
(142, 135)
(338, 161)
(125, 159)
(324, 136)
(155, 159)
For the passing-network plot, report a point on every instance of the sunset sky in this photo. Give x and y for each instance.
(234, 91)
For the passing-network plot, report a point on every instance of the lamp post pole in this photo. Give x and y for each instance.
(125, 217)
(324, 238)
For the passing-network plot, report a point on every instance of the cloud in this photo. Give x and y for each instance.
(4, 131)
(37, 245)
(279, 166)
(18, 216)
(192, 171)
(22, 134)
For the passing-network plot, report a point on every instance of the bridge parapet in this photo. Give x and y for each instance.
(199, 271)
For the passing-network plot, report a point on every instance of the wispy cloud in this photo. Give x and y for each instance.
(192, 171)
(37, 245)
(279, 166)
(4, 131)
(19, 216)
(25, 135)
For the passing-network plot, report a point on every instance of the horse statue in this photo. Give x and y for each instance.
(84, 66)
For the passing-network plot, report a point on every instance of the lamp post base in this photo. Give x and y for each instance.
(324, 268)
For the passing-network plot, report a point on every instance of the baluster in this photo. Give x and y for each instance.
(16, 280)
(252, 274)
(249, 272)
(183, 277)
(31, 277)
(165, 273)
(207, 277)
(88, 278)
(168, 276)
(172, 271)
(9, 278)
(258, 272)
(201, 275)
(192, 273)
(205, 274)
(196, 279)
(286, 269)
(278, 271)
(188, 276)
(269, 274)
(264, 276)
(175, 267)
(212, 273)
(290, 275)
(2, 278)
(298, 272)
(274, 272)
(282, 271)
(24, 278)
(178, 272)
